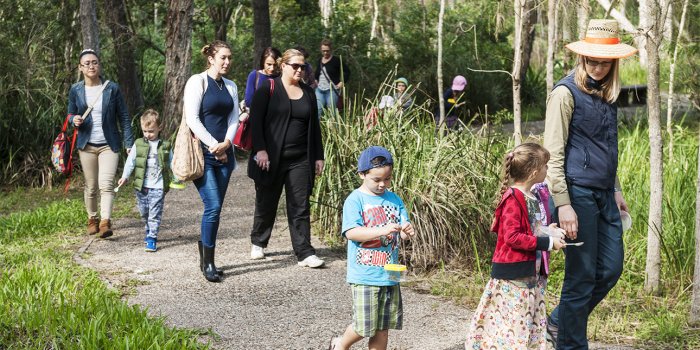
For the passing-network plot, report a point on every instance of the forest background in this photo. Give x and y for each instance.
(382, 39)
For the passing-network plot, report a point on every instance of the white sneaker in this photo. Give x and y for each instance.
(257, 253)
(311, 261)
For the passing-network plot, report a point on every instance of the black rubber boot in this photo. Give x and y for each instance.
(210, 272)
(201, 260)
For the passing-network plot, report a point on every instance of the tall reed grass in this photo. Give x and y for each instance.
(447, 181)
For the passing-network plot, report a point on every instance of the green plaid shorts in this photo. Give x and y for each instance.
(376, 308)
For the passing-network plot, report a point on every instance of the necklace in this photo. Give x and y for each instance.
(220, 86)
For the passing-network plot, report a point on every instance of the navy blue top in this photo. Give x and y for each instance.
(591, 150)
(251, 85)
(216, 106)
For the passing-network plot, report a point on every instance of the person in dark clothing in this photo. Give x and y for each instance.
(287, 153)
(267, 69)
(581, 135)
(331, 73)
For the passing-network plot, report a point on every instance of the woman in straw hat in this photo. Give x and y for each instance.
(581, 135)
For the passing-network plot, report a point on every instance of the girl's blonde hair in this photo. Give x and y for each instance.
(610, 85)
(520, 163)
(210, 50)
(150, 117)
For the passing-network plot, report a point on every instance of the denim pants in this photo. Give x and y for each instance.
(592, 269)
(150, 204)
(326, 99)
(295, 178)
(212, 189)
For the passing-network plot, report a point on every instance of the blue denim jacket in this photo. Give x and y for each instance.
(114, 116)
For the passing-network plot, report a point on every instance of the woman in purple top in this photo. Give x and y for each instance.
(267, 69)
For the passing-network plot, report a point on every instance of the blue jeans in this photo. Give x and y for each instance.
(326, 99)
(592, 269)
(212, 189)
(150, 204)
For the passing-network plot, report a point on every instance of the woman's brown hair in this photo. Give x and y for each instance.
(210, 50)
(610, 85)
(520, 163)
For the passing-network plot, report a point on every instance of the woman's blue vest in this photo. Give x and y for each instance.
(591, 149)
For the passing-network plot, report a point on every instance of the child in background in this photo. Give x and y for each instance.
(511, 313)
(373, 220)
(150, 162)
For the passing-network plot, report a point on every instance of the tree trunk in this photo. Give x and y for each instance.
(582, 11)
(528, 36)
(568, 30)
(667, 8)
(326, 10)
(552, 19)
(519, 8)
(262, 36)
(671, 78)
(375, 16)
(178, 57)
(220, 13)
(655, 229)
(88, 25)
(124, 55)
(695, 299)
(441, 98)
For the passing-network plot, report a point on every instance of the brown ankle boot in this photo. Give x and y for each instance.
(92, 225)
(105, 228)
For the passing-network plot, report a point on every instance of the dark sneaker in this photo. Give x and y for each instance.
(151, 246)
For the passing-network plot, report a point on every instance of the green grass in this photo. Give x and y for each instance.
(50, 302)
(628, 315)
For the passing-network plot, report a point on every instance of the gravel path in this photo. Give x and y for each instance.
(268, 304)
(263, 304)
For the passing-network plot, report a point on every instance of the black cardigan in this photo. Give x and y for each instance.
(333, 68)
(269, 120)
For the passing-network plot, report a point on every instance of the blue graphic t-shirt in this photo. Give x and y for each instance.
(366, 260)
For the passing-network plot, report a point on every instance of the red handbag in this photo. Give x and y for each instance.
(243, 139)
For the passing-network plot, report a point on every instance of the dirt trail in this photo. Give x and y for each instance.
(270, 304)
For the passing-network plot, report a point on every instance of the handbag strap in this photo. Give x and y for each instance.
(97, 98)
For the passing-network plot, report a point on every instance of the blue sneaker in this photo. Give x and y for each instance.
(151, 245)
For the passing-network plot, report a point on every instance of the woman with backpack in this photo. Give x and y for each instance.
(101, 135)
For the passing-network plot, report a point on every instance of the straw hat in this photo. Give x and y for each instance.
(602, 41)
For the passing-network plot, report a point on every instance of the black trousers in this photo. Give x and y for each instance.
(294, 177)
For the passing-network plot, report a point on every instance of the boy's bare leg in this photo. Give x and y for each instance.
(380, 340)
(348, 338)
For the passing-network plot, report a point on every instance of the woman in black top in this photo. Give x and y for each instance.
(287, 152)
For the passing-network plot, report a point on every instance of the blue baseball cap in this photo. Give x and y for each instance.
(364, 163)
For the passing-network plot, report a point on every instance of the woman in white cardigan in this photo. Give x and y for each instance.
(211, 112)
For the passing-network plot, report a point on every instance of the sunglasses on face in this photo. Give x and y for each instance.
(592, 63)
(297, 66)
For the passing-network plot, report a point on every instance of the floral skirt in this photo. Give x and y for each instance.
(510, 315)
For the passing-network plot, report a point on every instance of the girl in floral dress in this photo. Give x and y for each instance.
(511, 313)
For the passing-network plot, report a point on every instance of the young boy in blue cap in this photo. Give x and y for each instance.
(373, 220)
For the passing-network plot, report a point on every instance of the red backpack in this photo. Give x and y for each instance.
(62, 151)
